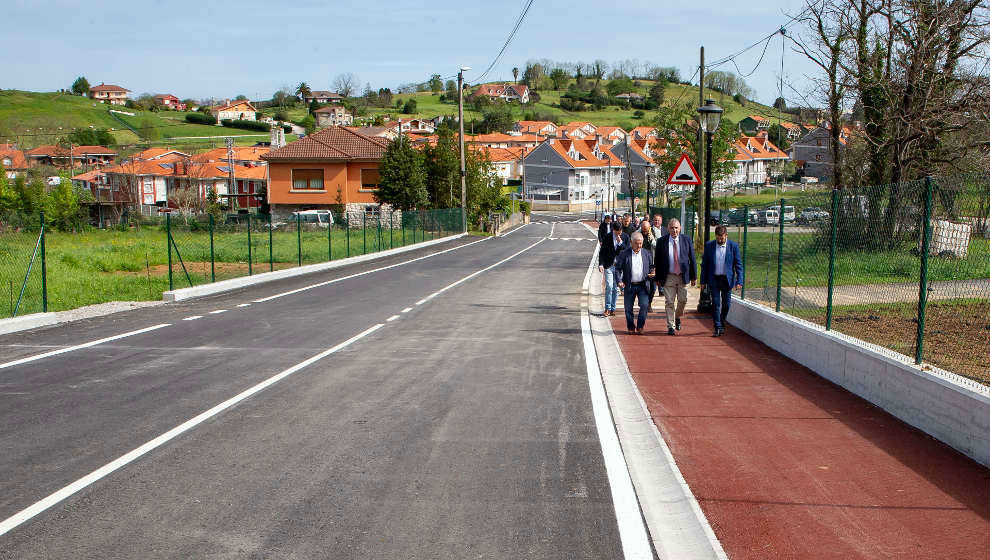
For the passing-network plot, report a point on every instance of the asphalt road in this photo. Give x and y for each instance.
(417, 412)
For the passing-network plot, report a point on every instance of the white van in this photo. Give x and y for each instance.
(770, 217)
(320, 218)
(789, 214)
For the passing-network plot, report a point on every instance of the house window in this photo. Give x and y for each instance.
(307, 179)
(370, 179)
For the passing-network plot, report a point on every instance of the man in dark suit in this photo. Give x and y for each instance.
(605, 228)
(634, 267)
(611, 247)
(676, 267)
(721, 270)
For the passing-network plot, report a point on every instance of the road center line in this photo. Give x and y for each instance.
(193, 318)
(392, 318)
(244, 305)
(473, 274)
(552, 224)
(80, 346)
(632, 533)
(310, 287)
(217, 311)
(407, 310)
(38, 507)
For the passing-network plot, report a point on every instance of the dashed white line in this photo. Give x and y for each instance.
(473, 274)
(80, 346)
(244, 305)
(193, 318)
(407, 310)
(40, 506)
(217, 311)
(392, 318)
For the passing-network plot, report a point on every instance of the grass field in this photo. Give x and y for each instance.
(101, 266)
(33, 119)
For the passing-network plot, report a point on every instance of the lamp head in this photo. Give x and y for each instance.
(710, 116)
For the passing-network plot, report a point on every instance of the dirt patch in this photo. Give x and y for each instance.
(957, 335)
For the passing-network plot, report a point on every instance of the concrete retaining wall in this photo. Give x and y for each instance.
(514, 220)
(950, 408)
(25, 322)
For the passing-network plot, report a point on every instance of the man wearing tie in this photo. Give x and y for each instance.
(611, 248)
(634, 267)
(721, 269)
(675, 268)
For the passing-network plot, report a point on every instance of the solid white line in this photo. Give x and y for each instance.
(392, 318)
(407, 310)
(552, 224)
(632, 533)
(310, 287)
(56, 497)
(80, 346)
(473, 274)
(217, 311)
(244, 305)
(193, 317)
(514, 230)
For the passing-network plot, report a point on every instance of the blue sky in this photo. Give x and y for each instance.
(206, 49)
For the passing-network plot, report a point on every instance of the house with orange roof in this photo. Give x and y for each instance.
(235, 111)
(586, 128)
(63, 157)
(333, 166)
(159, 153)
(508, 162)
(638, 157)
(613, 134)
(13, 161)
(248, 156)
(109, 93)
(505, 92)
(170, 101)
(499, 140)
(754, 158)
(569, 174)
(415, 126)
(539, 128)
(643, 132)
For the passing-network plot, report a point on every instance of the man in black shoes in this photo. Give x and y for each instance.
(676, 267)
(721, 271)
(635, 270)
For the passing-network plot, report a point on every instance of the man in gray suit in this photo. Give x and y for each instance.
(676, 267)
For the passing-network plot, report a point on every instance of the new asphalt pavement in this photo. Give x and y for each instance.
(437, 408)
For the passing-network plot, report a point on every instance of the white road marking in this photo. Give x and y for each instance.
(552, 224)
(193, 317)
(473, 274)
(244, 305)
(80, 346)
(217, 311)
(514, 230)
(407, 310)
(38, 507)
(392, 318)
(632, 533)
(310, 287)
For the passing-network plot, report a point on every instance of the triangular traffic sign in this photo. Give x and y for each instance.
(684, 173)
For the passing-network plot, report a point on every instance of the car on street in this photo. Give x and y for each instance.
(769, 217)
(789, 214)
(812, 215)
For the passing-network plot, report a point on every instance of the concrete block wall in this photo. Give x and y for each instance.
(950, 408)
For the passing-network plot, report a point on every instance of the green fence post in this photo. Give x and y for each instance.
(168, 243)
(271, 246)
(831, 259)
(364, 232)
(330, 239)
(780, 252)
(347, 230)
(250, 257)
(402, 223)
(378, 243)
(44, 268)
(213, 268)
(745, 246)
(926, 242)
(299, 239)
(422, 225)
(391, 229)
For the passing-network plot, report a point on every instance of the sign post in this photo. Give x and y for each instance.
(684, 173)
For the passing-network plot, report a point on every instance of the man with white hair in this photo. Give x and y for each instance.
(635, 270)
(676, 267)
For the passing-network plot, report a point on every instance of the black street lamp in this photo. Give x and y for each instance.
(709, 117)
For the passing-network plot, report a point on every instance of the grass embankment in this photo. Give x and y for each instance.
(101, 266)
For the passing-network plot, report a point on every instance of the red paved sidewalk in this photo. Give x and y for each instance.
(787, 465)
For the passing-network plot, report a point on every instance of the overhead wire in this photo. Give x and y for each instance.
(508, 40)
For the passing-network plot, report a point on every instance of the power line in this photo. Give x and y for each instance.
(512, 34)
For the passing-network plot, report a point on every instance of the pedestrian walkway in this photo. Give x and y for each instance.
(786, 465)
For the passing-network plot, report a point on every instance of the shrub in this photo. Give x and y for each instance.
(524, 206)
(246, 125)
(200, 118)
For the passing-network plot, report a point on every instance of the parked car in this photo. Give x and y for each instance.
(789, 214)
(320, 218)
(754, 217)
(769, 217)
(812, 215)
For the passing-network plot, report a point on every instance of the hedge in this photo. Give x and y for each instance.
(201, 118)
(246, 125)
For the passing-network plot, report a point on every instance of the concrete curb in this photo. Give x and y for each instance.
(245, 281)
(26, 322)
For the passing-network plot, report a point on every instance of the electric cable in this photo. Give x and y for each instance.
(508, 40)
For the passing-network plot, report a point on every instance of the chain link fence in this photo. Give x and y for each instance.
(53, 271)
(905, 267)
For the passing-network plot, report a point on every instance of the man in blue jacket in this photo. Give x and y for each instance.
(612, 246)
(721, 270)
(634, 267)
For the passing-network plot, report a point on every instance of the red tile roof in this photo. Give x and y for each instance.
(89, 175)
(109, 87)
(499, 137)
(334, 143)
(77, 151)
(157, 153)
(532, 127)
(214, 170)
(585, 151)
(504, 154)
(241, 153)
(16, 157)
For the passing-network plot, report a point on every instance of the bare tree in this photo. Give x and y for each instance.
(345, 83)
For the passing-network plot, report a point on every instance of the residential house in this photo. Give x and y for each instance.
(107, 93)
(539, 128)
(754, 124)
(572, 173)
(643, 132)
(812, 154)
(754, 159)
(570, 129)
(413, 126)
(248, 156)
(13, 160)
(794, 131)
(235, 111)
(630, 96)
(163, 154)
(333, 115)
(613, 134)
(506, 92)
(638, 156)
(499, 140)
(80, 155)
(334, 165)
(508, 162)
(321, 96)
(170, 101)
(375, 131)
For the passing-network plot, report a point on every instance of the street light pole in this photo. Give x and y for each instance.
(460, 123)
(708, 186)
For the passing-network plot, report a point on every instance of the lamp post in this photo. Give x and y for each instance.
(460, 123)
(709, 117)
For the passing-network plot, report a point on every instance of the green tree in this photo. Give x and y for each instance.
(484, 190)
(213, 206)
(559, 77)
(308, 123)
(30, 194)
(515, 74)
(451, 90)
(9, 202)
(656, 93)
(436, 84)
(303, 91)
(443, 170)
(62, 206)
(620, 85)
(497, 119)
(410, 107)
(402, 177)
(80, 86)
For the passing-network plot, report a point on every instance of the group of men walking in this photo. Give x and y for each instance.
(641, 261)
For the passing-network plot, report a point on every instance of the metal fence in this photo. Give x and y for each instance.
(42, 270)
(905, 266)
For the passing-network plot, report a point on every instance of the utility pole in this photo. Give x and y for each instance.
(632, 202)
(699, 142)
(460, 138)
(230, 166)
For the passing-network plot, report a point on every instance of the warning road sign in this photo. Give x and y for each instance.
(684, 173)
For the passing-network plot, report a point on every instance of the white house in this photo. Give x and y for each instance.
(235, 111)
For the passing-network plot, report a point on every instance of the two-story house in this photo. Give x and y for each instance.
(108, 93)
(539, 128)
(754, 158)
(170, 101)
(13, 161)
(812, 154)
(571, 174)
(321, 96)
(333, 115)
(235, 111)
(506, 92)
